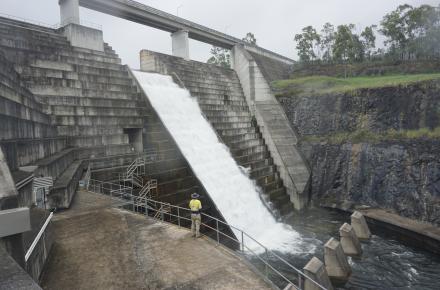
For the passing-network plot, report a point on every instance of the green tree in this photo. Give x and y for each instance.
(395, 29)
(250, 38)
(348, 46)
(307, 44)
(368, 39)
(327, 41)
(220, 56)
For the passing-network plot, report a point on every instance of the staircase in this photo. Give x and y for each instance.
(220, 96)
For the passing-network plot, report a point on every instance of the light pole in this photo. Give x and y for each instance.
(180, 6)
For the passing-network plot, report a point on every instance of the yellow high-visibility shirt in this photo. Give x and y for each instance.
(195, 205)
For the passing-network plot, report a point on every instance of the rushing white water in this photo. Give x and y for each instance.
(234, 194)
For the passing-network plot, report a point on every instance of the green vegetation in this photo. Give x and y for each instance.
(409, 33)
(319, 85)
(361, 136)
(222, 56)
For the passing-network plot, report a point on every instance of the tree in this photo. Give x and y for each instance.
(327, 41)
(347, 47)
(250, 38)
(220, 56)
(307, 44)
(369, 40)
(395, 28)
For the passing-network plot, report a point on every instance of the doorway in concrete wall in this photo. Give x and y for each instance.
(135, 138)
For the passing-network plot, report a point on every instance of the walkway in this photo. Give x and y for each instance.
(105, 248)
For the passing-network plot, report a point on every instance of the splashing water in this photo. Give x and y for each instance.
(234, 194)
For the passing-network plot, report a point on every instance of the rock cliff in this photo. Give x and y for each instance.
(373, 147)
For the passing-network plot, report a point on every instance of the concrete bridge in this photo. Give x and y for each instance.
(181, 29)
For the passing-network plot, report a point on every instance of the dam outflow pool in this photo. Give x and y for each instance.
(385, 264)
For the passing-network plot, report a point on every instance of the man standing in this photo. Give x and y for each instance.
(195, 205)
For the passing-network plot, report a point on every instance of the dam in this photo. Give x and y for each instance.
(98, 162)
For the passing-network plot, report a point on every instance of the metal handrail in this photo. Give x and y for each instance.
(38, 237)
(149, 204)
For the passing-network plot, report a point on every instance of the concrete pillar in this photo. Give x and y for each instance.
(349, 241)
(69, 10)
(315, 269)
(180, 42)
(336, 262)
(360, 226)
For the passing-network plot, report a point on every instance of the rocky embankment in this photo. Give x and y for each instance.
(373, 147)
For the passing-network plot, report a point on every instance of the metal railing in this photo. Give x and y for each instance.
(248, 246)
(40, 236)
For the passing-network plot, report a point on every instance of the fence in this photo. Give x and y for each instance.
(271, 265)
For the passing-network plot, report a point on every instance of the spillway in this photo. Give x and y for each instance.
(234, 193)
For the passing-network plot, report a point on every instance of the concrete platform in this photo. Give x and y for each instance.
(104, 248)
(412, 232)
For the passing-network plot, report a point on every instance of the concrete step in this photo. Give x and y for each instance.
(237, 153)
(224, 103)
(213, 85)
(91, 141)
(272, 186)
(90, 102)
(236, 131)
(195, 78)
(252, 157)
(14, 110)
(28, 151)
(226, 113)
(222, 108)
(96, 111)
(255, 164)
(263, 171)
(14, 128)
(87, 130)
(104, 151)
(19, 95)
(267, 179)
(122, 121)
(232, 125)
(245, 144)
(179, 197)
(55, 165)
(241, 137)
(229, 119)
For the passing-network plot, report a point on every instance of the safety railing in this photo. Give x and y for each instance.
(41, 236)
(110, 189)
(272, 266)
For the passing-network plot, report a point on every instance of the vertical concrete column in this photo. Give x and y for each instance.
(349, 241)
(180, 42)
(315, 269)
(336, 262)
(69, 10)
(360, 226)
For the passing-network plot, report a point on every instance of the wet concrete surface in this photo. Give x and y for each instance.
(105, 248)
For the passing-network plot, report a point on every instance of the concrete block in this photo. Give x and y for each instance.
(180, 44)
(360, 226)
(336, 262)
(349, 241)
(84, 37)
(315, 269)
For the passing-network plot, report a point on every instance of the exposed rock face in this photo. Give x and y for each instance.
(410, 107)
(401, 175)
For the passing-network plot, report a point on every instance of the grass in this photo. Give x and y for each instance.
(361, 136)
(319, 85)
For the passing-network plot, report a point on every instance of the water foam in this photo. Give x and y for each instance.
(234, 194)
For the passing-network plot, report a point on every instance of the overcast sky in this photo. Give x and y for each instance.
(274, 22)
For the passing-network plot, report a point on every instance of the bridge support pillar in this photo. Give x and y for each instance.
(69, 10)
(180, 42)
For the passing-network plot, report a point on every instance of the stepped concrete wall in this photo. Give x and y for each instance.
(277, 132)
(221, 98)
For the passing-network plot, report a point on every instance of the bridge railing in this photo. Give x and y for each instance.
(272, 266)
